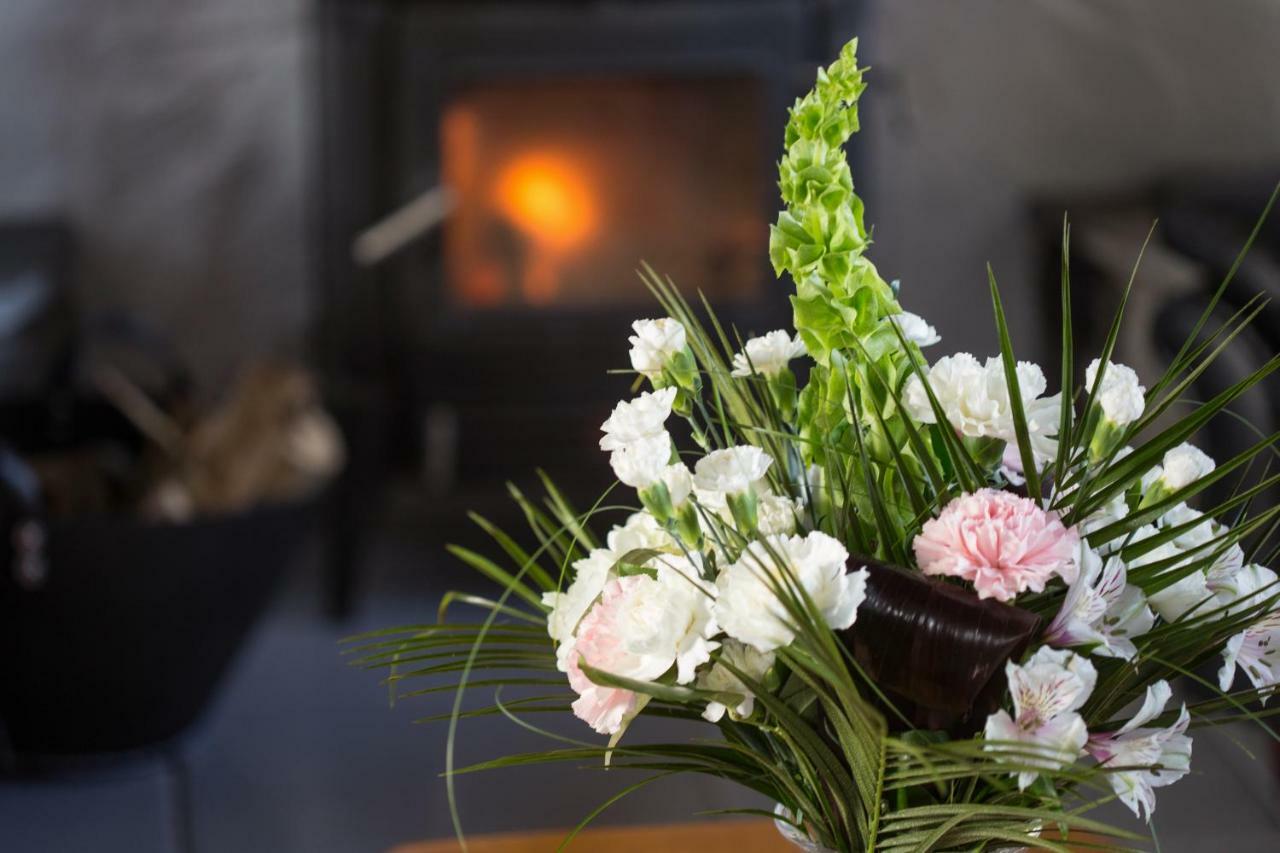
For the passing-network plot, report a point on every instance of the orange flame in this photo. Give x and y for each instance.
(549, 198)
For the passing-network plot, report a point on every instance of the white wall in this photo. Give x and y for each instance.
(994, 103)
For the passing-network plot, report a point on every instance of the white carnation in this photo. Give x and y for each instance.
(690, 617)
(732, 471)
(916, 329)
(641, 463)
(1120, 394)
(747, 660)
(641, 531)
(768, 354)
(1184, 465)
(777, 514)
(679, 483)
(749, 609)
(643, 625)
(571, 604)
(975, 399)
(633, 420)
(654, 344)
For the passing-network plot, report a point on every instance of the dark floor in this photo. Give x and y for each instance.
(302, 754)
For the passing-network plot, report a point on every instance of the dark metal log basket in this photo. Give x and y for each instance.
(125, 643)
(936, 650)
(117, 640)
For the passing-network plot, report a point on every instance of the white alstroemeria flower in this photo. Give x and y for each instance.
(1189, 593)
(1101, 610)
(975, 398)
(1249, 587)
(1162, 756)
(654, 344)
(641, 463)
(1256, 649)
(571, 604)
(1184, 465)
(1226, 565)
(747, 660)
(1115, 509)
(748, 607)
(1048, 691)
(916, 329)
(633, 420)
(732, 471)
(1202, 541)
(1121, 395)
(1194, 536)
(767, 355)
(641, 531)
(1011, 465)
(1186, 595)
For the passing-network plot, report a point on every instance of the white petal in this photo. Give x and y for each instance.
(1227, 674)
(1157, 697)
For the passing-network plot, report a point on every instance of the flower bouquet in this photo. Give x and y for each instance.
(926, 606)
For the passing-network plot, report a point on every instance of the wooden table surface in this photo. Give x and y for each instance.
(725, 836)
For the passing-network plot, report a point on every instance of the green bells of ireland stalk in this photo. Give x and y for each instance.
(842, 309)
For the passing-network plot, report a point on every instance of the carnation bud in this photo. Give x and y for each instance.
(687, 526)
(744, 510)
(782, 387)
(1182, 466)
(683, 371)
(1106, 436)
(657, 499)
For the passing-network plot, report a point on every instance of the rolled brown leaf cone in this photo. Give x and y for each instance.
(937, 651)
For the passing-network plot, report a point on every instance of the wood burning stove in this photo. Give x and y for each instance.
(576, 139)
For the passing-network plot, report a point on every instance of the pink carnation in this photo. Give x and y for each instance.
(599, 643)
(1000, 542)
(603, 708)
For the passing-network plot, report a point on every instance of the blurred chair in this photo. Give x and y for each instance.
(1202, 226)
(1209, 225)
